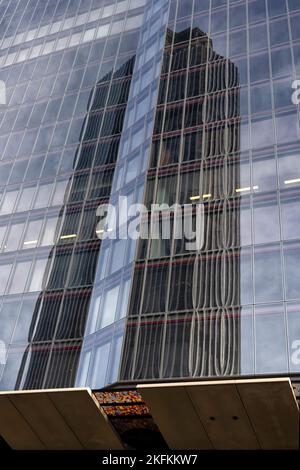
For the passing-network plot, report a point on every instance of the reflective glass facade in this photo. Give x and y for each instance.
(67, 68)
(162, 101)
(226, 134)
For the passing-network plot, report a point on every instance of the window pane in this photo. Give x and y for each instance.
(264, 174)
(25, 200)
(50, 230)
(117, 255)
(266, 222)
(59, 192)
(14, 236)
(156, 281)
(268, 276)
(293, 318)
(246, 279)
(37, 278)
(32, 234)
(288, 128)
(262, 133)
(8, 317)
(3, 229)
(19, 278)
(290, 223)
(8, 202)
(289, 171)
(166, 190)
(99, 366)
(247, 340)
(25, 320)
(270, 340)
(292, 272)
(43, 195)
(5, 270)
(245, 225)
(109, 307)
(12, 368)
(124, 300)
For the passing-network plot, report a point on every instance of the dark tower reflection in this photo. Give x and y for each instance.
(57, 328)
(185, 322)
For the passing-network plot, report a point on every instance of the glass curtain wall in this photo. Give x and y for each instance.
(67, 68)
(101, 352)
(226, 135)
(106, 98)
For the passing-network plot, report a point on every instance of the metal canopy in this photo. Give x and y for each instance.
(231, 414)
(55, 419)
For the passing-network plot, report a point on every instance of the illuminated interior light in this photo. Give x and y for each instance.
(31, 242)
(294, 181)
(103, 231)
(204, 196)
(65, 237)
(242, 190)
